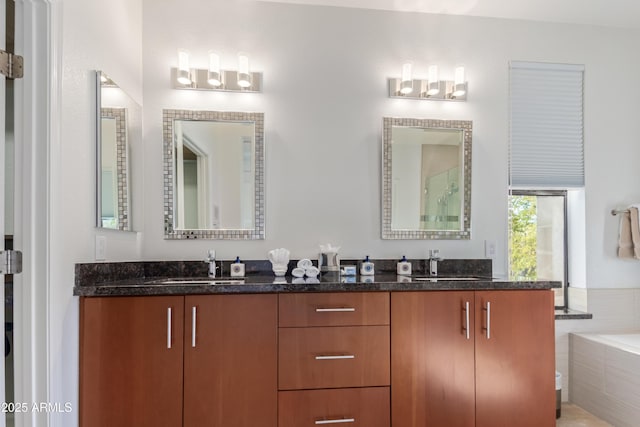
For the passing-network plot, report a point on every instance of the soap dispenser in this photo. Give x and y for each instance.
(366, 268)
(237, 268)
(404, 267)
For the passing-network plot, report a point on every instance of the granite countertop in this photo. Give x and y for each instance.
(270, 284)
(182, 277)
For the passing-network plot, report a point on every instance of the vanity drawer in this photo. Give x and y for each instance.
(349, 407)
(334, 309)
(329, 357)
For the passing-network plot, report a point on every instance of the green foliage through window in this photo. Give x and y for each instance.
(523, 237)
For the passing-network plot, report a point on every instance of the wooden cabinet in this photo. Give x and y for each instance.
(333, 350)
(501, 375)
(432, 360)
(172, 361)
(131, 361)
(230, 376)
(515, 359)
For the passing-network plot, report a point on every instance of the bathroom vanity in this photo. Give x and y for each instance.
(444, 352)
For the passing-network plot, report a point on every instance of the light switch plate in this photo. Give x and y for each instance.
(101, 248)
(490, 249)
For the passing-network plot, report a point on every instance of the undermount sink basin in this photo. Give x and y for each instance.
(187, 282)
(434, 279)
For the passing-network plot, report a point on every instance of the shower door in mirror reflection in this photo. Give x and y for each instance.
(427, 179)
(215, 160)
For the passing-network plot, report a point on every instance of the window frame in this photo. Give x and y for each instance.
(559, 193)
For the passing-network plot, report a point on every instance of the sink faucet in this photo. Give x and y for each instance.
(211, 259)
(434, 257)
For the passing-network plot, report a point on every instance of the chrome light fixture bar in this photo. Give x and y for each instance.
(213, 77)
(431, 88)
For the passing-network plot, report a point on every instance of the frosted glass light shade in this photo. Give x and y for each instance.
(183, 67)
(214, 78)
(406, 83)
(459, 82)
(244, 78)
(433, 83)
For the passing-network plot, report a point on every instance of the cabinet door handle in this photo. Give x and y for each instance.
(169, 327)
(335, 310)
(336, 421)
(193, 326)
(345, 356)
(466, 315)
(488, 328)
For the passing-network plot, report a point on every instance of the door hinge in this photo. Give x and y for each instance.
(11, 65)
(10, 262)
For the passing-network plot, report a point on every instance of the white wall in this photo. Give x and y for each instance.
(324, 97)
(94, 35)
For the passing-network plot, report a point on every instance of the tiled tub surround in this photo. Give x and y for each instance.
(142, 278)
(605, 379)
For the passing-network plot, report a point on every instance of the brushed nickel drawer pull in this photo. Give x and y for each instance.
(335, 310)
(466, 314)
(488, 328)
(194, 314)
(336, 421)
(346, 356)
(169, 327)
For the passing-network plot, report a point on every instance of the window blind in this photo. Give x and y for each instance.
(546, 125)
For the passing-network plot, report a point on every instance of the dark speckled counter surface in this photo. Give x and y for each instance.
(149, 278)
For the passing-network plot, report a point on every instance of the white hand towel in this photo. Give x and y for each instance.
(312, 271)
(305, 263)
(298, 272)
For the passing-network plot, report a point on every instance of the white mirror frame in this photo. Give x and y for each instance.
(417, 234)
(170, 232)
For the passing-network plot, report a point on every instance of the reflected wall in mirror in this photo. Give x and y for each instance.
(118, 124)
(214, 174)
(426, 179)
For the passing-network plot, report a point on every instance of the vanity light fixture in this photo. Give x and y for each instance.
(431, 88)
(215, 78)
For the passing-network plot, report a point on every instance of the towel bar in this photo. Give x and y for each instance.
(615, 212)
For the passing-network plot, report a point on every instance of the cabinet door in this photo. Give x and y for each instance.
(432, 359)
(230, 366)
(515, 359)
(131, 361)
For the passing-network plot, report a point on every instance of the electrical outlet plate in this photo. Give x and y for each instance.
(489, 248)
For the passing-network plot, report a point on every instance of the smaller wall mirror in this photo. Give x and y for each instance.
(118, 124)
(426, 179)
(214, 174)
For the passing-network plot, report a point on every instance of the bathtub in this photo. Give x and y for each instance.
(604, 372)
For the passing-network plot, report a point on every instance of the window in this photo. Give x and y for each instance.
(538, 238)
(546, 158)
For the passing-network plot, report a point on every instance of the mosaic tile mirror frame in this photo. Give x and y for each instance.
(198, 146)
(426, 179)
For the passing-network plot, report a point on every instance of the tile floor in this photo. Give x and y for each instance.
(575, 416)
